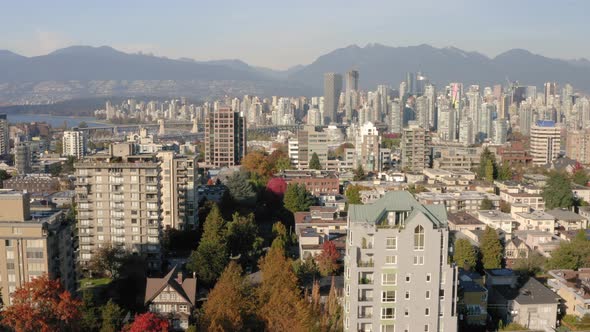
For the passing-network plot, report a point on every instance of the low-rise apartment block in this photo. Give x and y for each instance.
(32, 244)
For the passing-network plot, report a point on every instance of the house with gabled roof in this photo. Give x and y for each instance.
(173, 296)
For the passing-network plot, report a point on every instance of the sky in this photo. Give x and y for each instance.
(282, 33)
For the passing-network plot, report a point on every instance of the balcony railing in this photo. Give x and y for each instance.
(366, 264)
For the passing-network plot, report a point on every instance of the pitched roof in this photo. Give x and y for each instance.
(396, 201)
(532, 292)
(187, 288)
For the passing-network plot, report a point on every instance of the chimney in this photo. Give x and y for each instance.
(179, 278)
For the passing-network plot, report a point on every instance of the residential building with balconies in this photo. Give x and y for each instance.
(396, 274)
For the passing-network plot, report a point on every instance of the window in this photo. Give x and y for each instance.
(427, 294)
(419, 238)
(9, 254)
(418, 260)
(391, 259)
(388, 279)
(408, 277)
(426, 328)
(427, 312)
(407, 295)
(387, 313)
(387, 328)
(428, 277)
(407, 312)
(441, 294)
(388, 296)
(391, 243)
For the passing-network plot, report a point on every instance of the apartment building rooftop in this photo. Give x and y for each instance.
(396, 201)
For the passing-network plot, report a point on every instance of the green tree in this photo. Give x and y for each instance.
(283, 163)
(486, 204)
(505, 172)
(208, 261)
(464, 254)
(89, 320)
(359, 173)
(112, 317)
(242, 237)
(530, 265)
(557, 193)
(240, 189)
(306, 270)
(489, 171)
(211, 256)
(314, 162)
(505, 207)
(82, 124)
(353, 194)
(482, 171)
(297, 198)
(580, 177)
(571, 255)
(4, 175)
(491, 249)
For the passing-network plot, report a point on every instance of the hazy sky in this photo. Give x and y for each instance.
(283, 33)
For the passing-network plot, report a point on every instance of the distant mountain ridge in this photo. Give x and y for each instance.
(380, 64)
(85, 71)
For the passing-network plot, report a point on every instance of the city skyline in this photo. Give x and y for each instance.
(183, 29)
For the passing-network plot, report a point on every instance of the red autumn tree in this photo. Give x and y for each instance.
(42, 305)
(148, 322)
(327, 260)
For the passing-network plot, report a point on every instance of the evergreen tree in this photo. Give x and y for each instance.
(211, 256)
(464, 254)
(208, 261)
(242, 237)
(353, 194)
(89, 320)
(489, 171)
(240, 189)
(297, 198)
(530, 265)
(505, 172)
(359, 173)
(558, 192)
(491, 249)
(483, 163)
(112, 317)
(314, 162)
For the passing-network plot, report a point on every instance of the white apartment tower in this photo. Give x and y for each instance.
(545, 142)
(396, 273)
(74, 143)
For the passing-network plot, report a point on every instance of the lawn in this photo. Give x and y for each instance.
(94, 282)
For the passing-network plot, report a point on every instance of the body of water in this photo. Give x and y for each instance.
(54, 121)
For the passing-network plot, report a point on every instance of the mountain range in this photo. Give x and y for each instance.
(85, 71)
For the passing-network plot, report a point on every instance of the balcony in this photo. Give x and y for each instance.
(365, 299)
(365, 281)
(368, 263)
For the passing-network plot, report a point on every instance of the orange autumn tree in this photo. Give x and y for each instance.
(281, 305)
(229, 305)
(42, 305)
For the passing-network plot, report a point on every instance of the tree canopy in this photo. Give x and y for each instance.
(353, 194)
(297, 198)
(148, 322)
(42, 305)
(230, 305)
(557, 192)
(571, 255)
(486, 204)
(240, 189)
(487, 166)
(314, 162)
(491, 249)
(327, 259)
(464, 254)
